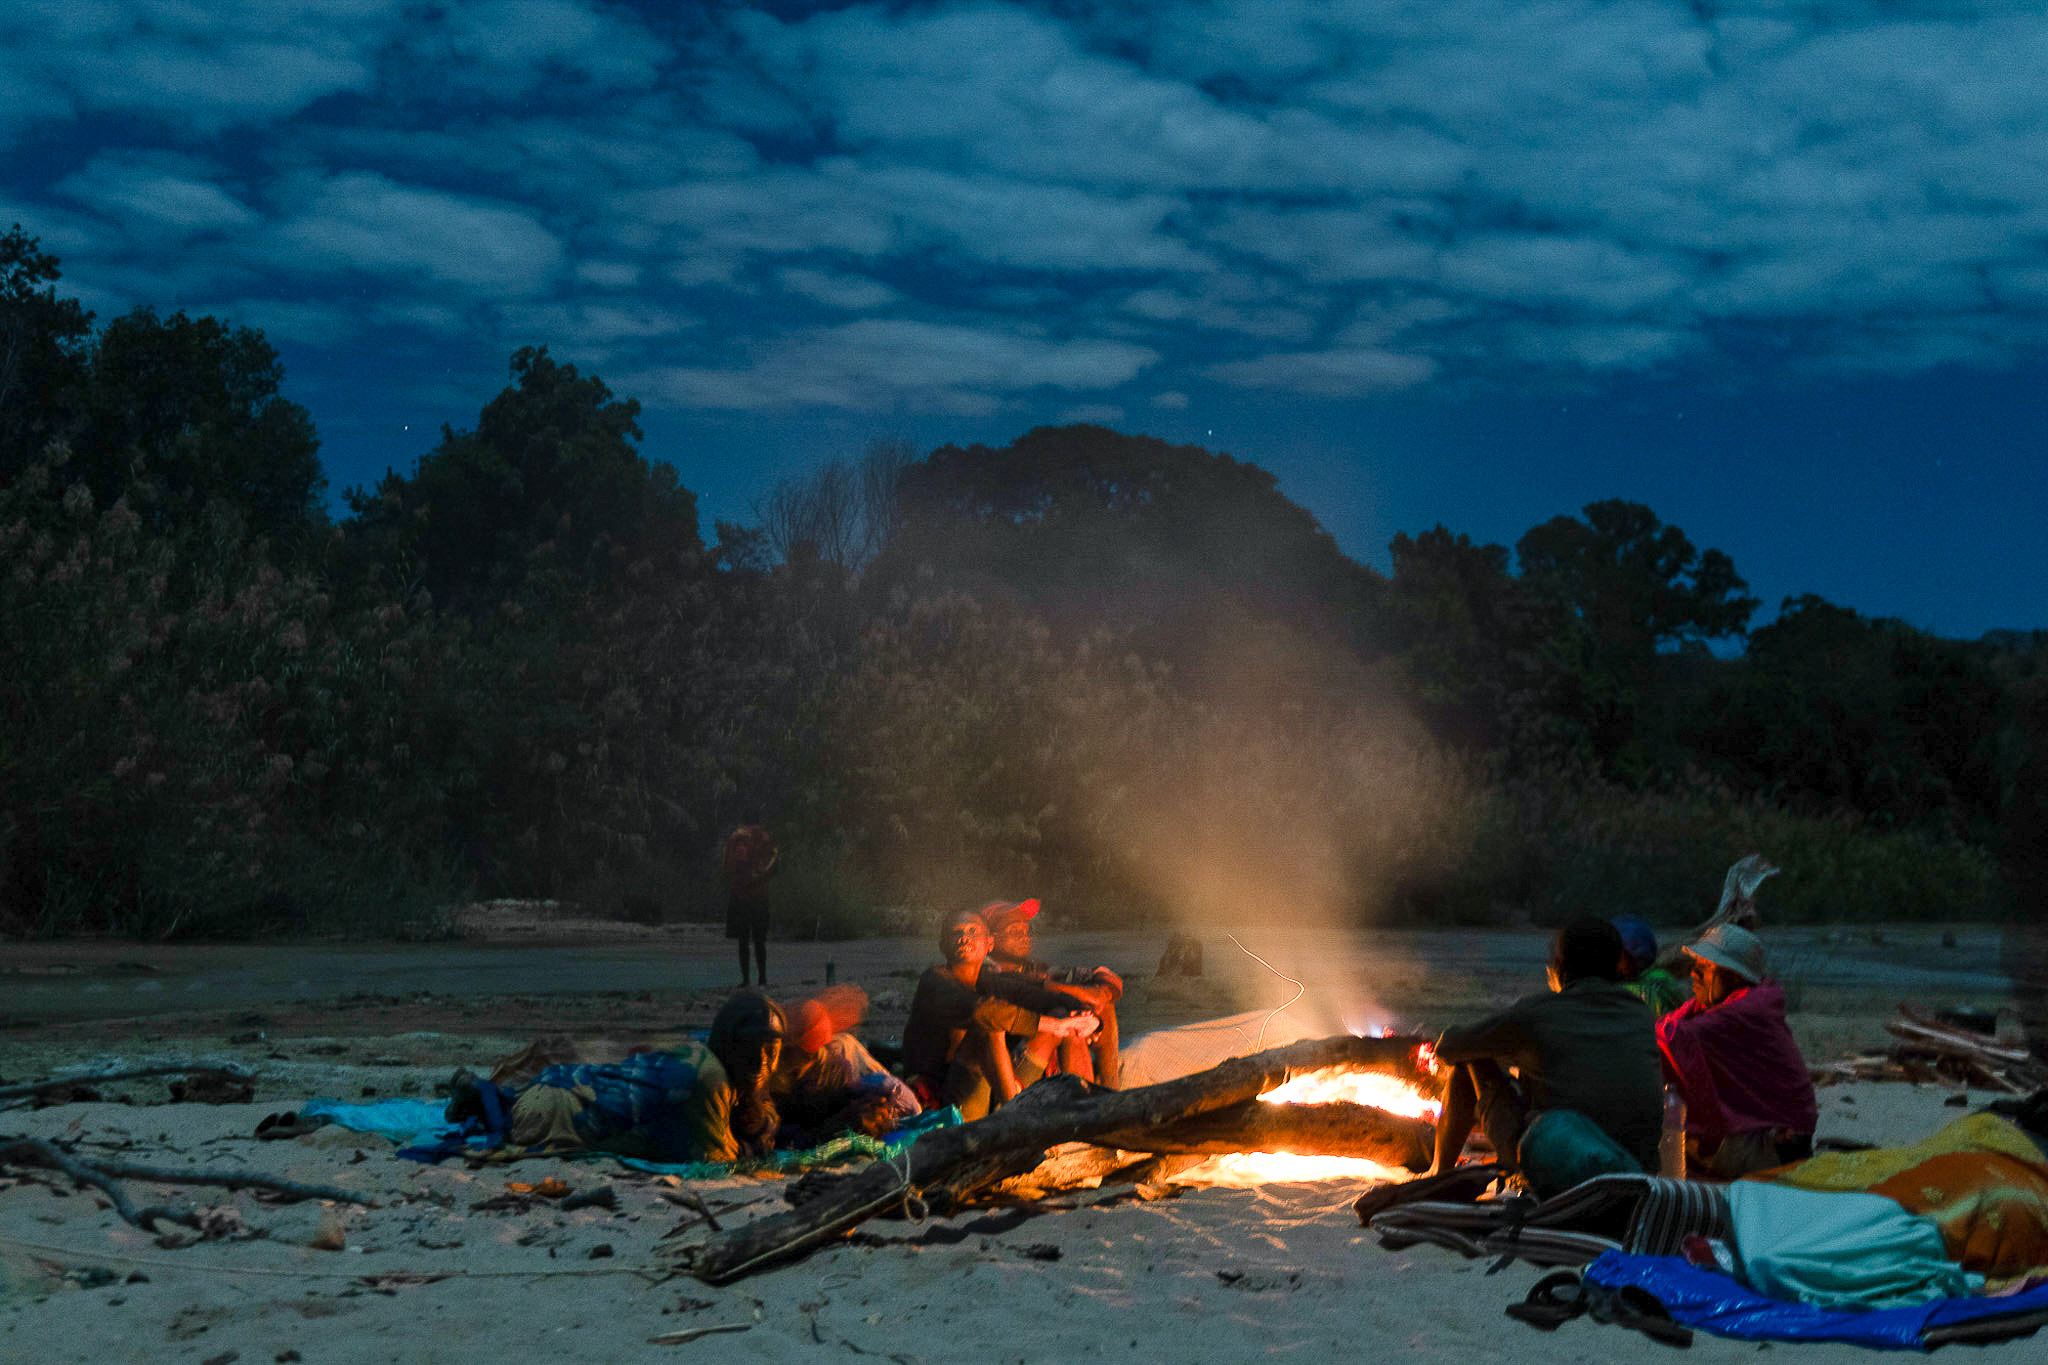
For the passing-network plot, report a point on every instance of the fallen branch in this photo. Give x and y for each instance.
(1331, 1129)
(23, 1091)
(102, 1175)
(954, 1162)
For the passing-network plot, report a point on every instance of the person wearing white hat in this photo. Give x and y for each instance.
(1749, 1102)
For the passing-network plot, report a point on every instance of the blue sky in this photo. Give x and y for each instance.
(1778, 270)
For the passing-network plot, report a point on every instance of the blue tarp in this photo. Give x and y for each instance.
(430, 1137)
(1713, 1302)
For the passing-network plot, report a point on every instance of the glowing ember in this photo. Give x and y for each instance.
(1380, 1091)
(1320, 1087)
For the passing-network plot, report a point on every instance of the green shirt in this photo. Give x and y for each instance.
(1591, 1047)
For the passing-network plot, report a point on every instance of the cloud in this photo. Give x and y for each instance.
(1591, 272)
(1170, 401)
(608, 274)
(591, 327)
(513, 46)
(854, 293)
(204, 66)
(1098, 414)
(1327, 374)
(1217, 305)
(875, 364)
(1323, 199)
(365, 223)
(156, 196)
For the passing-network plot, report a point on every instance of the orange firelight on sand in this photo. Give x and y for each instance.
(1373, 1088)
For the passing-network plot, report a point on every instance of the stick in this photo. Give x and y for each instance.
(15, 1092)
(1014, 1138)
(103, 1174)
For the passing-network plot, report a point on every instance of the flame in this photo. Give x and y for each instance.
(1380, 1091)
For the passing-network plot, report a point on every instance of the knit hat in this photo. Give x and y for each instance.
(827, 1014)
(1637, 937)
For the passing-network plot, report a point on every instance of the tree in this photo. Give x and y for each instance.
(1085, 526)
(42, 345)
(549, 477)
(1643, 593)
(843, 512)
(1489, 662)
(197, 402)
(1837, 711)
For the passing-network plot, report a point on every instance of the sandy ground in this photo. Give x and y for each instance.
(1209, 1274)
(1282, 1271)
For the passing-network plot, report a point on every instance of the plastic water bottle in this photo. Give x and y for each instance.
(1671, 1142)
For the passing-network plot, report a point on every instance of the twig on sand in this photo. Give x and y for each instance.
(23, 1091)
(103, 1175)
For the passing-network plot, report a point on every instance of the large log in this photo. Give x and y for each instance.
(956, 1161)
(1331, 1129)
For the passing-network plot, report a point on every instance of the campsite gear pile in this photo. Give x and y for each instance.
(1904, 1248)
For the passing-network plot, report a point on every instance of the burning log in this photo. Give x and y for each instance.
(942, 1168)
(1333, 1129)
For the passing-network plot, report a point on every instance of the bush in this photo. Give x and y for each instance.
(1587, 846)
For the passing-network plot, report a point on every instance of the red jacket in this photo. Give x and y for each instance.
(1737, 1065)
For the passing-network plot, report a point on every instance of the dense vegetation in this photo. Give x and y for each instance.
(1120, 674)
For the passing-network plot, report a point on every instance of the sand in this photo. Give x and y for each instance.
(1210, 1274)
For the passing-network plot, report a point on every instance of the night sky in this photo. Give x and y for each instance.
(1778, 270)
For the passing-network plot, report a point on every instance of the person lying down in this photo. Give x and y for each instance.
(707, 1101)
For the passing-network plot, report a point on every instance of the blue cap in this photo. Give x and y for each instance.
(1637, 937)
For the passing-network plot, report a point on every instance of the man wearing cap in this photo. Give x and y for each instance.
(1749, 1102)
(955, 1047)
(1641, 976)
(1096, 989)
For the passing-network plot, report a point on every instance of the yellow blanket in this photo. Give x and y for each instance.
(1981, 1179)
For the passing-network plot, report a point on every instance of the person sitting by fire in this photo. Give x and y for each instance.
(1586, 1072)
(1642, 975)
(1096, 988)
(1749, 1101)
(955, 1046)
(705, 1101)
(828, 1083)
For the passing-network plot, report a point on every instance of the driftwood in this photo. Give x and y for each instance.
(16, 1092)
(104, 1175)
(1926, 1049)
(943, 1167)
(1332, 1129)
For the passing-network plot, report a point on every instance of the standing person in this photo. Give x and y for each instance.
(749, 861)
(1097, 988)
(1586, 1047)
(1749, 1102)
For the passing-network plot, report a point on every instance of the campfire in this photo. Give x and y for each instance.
(1388, 1093)
(1356, 1100)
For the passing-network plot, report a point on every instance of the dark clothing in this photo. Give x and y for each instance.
(748, 862)
(941, 1012)
(1032, 969)
(942, 1009)
(1738, 1067)
(1591, 1047)
(746, 917)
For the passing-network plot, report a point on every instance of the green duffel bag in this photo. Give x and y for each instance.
(1562, 1147)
